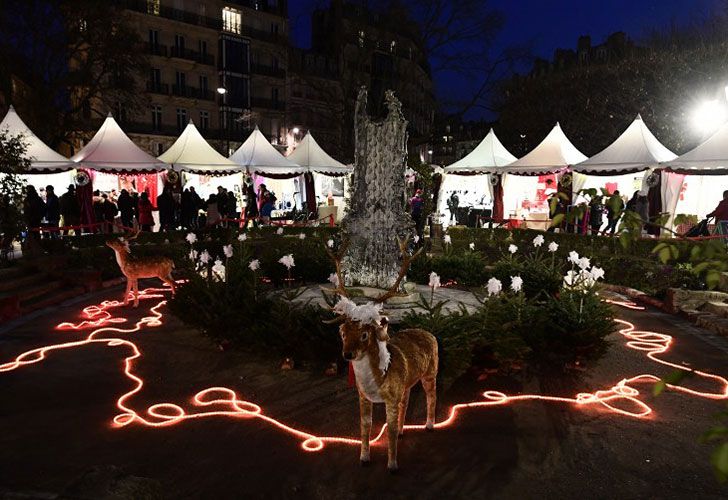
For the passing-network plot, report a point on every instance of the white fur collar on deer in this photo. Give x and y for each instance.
(384, 356)
(368, 313)
(365, 379)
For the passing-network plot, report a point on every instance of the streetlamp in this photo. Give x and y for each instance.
(222, 91)
(708, 116)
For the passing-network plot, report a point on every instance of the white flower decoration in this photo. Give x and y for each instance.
(243, 237)
(434, 281)
(330, 243)
(287, 260)
(472, 246)
(553, 246)
(191, 238)
(538, 241)
(583, 263)
(254, 265)
(193, 254)
(416, 238)
(516, 283)
(597, 273)
(205, 257)
(512, 248)
(494, 286)
(228, 251)
(334, 279)
(302, 236)
(279, 231)
(573, 257)
(447, 239)
(218, 270)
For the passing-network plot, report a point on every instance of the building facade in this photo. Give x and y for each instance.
(221, 64)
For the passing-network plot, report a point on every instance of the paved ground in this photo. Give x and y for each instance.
(57, 438)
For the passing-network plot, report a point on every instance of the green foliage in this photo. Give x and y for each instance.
(467, 269)
(13, 163)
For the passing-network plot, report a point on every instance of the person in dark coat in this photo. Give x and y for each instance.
(596, 211)
(126, 208)
(417, 204)
(34, 210)
(232, 205)
(165, 204)
(110, 211)
(222, 201)
(251, 206)
(53, 210)
(98, 206)
(146, 219)
(70, 209)
(615, 205)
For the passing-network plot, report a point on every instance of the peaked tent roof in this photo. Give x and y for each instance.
(111, 150)
(309, 154)
(555, 153)
(259, 156)
(192, 153)
(710, 157)
(636, 149)
(488, 157)
(42, 157)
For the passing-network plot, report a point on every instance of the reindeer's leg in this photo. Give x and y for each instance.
(429, 384)
(365, 425)
(392, 430)
(167, 278)
(403, 411)
(136, 292)
(128, 289)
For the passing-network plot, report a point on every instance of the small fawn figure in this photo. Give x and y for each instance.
(386, 368)
(140, 267)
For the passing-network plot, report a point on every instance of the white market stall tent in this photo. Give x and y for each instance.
(616, 167)
(204, 168)
(702, 175)
(47, 167)
(488, 158)
(553, 155)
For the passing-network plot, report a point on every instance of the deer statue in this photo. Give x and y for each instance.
(139, 267)
(385, 367)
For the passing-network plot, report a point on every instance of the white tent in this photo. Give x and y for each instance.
(257, 155)
(709, 158)
(309, 154)
(553, 154)
(636, 149)
(42, 157)
(192, 153)
(111, 150)
(488, 157)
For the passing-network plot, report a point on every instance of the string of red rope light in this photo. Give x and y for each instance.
(622, 398)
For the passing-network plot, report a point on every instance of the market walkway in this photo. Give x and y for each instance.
(59, 436)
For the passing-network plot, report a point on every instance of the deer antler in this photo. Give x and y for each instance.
(406, 261)
(135, 236)
(337, 258)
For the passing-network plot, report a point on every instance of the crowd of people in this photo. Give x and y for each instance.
(45, 213)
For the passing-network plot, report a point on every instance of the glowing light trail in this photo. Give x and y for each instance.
(622, 398)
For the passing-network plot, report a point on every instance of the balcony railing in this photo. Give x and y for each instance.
(158, 88)
(267, 71)
(192, 92)
(156, 49)
(258, 102)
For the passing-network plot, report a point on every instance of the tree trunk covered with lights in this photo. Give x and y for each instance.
(376, 216)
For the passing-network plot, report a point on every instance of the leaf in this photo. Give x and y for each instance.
(695, 252)
(714, 433)
(659, 247)
(712, 279)
(664, 255)
(673, 378)
(719, 459)
(557, 219)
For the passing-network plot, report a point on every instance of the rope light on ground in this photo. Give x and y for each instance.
(623, 398)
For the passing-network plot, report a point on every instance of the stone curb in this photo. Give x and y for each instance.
(638, 296)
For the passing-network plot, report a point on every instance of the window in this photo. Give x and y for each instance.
(361, 39)
(203, 85)
(82, 26)
(180, 79)
(181, 119)
(156, 117)
(393, 46)
(179, 43)
(159, 147)
(156, 78)
(153, 38)
(153, 7)
(274, 94)
(204, 120)
(120, 112)
(231, 20)
(274, 28)
(202, 49)
(275, 62)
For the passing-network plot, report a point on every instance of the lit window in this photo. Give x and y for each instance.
(231, 20)
(361, 39)
(392, 46)
(82, 25)
(153, 7)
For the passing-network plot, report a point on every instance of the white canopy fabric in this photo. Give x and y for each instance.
(309, 154)
(488, 157)
(257, 155)
(635, 150)
(111, 150)
(192, 153)
(42, 157)
(555, 153)
(710, 157)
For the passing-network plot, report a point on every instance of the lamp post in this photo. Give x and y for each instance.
(222, 91)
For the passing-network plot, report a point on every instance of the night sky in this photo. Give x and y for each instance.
(548, 25)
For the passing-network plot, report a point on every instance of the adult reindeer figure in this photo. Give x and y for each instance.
(140, 267)
(386, 367)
